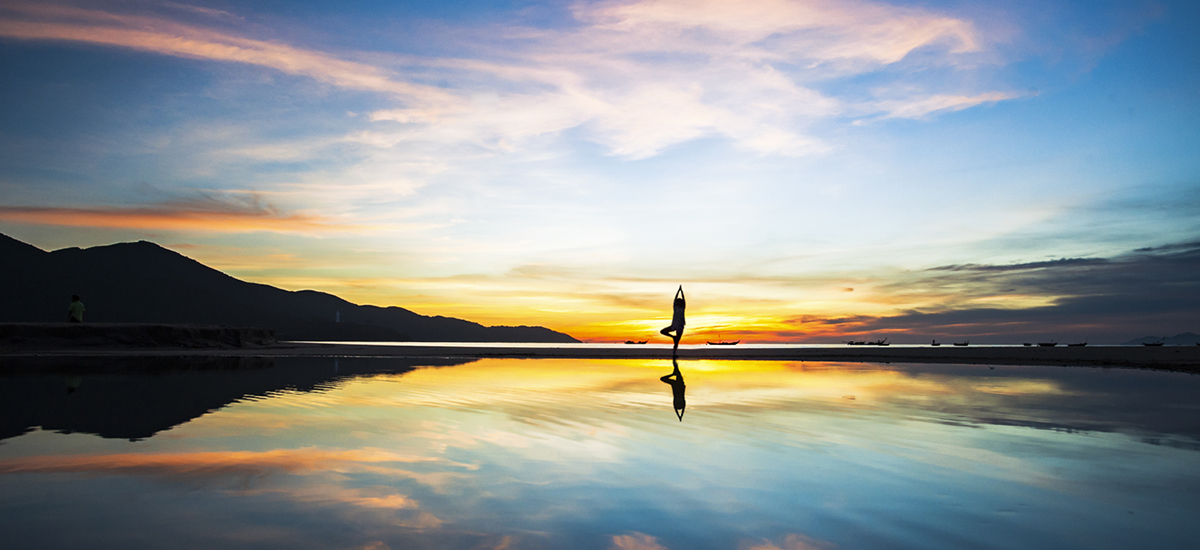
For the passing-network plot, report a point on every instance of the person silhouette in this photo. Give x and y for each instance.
(675, 379)
(75, 310)
(677, 321)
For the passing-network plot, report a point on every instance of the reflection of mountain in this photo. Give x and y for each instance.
(145, 283)
(137, 397)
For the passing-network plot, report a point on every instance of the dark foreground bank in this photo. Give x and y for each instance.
(23, 337)
(1173, 358)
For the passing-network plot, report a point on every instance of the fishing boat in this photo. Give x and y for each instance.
(934, 343)
(632, 342)
(883, 342)
(1028, 344)
(1047, 344)
(963, 344)
(1079, 345)
(734, 343)
(1152, 343)
(856, 343)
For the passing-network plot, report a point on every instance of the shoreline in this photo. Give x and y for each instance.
(1172, 358)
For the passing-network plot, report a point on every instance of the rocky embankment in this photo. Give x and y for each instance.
(34, 336)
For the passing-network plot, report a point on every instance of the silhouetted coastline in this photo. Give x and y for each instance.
(143, 282)
(1172, 358)
(129, 335)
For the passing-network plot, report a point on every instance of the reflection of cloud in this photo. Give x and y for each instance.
(636, 541)
(250, 473)
(207, 463)
(206, 214)
(796, 542)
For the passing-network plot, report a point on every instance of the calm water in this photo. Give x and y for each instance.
(509, 453)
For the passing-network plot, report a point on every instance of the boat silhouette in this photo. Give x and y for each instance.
(964, 343)
(720, 342)
(632, 342)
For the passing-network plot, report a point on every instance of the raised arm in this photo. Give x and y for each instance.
(679, 293)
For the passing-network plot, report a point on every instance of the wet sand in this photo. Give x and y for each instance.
(1174, 358)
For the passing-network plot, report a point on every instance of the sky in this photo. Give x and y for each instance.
(808, 170)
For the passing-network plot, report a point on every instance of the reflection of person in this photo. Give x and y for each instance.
(677, 321)
(75, 310)
(675, 379)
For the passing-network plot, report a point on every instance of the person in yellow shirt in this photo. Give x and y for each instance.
(75, 310)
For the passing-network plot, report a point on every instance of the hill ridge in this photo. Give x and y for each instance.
(144, 282)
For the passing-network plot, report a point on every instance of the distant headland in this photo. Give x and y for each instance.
(144, 283)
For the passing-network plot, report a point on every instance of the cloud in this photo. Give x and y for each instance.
(818, 30)
(206, 213)
(1146, 291)
(639, 77)
(167, 37)
(923, 107)
(636, 77)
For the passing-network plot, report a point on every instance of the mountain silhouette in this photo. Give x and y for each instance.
(143, 282)
(1181, 339)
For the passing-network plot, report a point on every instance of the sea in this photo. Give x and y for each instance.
(447, 453)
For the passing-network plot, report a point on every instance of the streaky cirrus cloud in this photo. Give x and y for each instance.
(636, 77)
(642, 76)
(819, 30)
(208, 213)
(165, 36)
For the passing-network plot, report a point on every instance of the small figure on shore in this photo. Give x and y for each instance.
(677, 320)
(75, 310)
(675, 379)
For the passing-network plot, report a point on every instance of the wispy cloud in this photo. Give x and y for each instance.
(634, 76)
(167, 37)
(206, 213)
(924, 106)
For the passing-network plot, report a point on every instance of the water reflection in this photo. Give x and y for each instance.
(357, 453)
(675, 379)
(136, 397)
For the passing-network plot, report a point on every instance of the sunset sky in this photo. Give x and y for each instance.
(807, 169)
